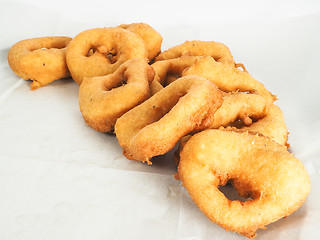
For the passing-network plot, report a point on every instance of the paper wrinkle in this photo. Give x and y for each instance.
(90, 195)
(8, 92)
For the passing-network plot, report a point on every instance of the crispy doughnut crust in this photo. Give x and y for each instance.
(239, 106)
(235, 106)
(271, 125)
(155, 87)
(219, 51)
(104, 99)
(155, 126)
(111, 47)
(152, 39)
(41, 60)
(258, 168)
(228, 79)
(168, 71)
(176, 155)
(173, 66)
(171, 77)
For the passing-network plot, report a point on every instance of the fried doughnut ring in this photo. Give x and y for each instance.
(271, 125)
(258, 168)
(41, 60)
(151, 37)
(228, 79)
(218, 51)
(155, 126)
(101, 98)
(111, 47)
(239, 106)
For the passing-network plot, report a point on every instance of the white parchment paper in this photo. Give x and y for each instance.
(60, 179)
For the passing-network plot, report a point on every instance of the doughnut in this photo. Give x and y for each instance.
(256, 166)
(100, 51)
(155, 126)
(150, 36)
(41, 60)
(104, 99)
(219, 51)
(228, 79)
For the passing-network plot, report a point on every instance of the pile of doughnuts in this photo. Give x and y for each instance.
(226, 124)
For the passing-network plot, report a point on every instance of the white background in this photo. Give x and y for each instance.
(59, 179)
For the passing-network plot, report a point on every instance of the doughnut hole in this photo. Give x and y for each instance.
(111, 55)
(232, 194)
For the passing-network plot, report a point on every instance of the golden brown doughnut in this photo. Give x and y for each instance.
(155, 126)
(104, 99)
(257, 167)
(41, 60)
(219, 51)
(100, 51)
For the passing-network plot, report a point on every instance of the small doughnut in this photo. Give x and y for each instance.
(104, 99)
(218, 51)
(41, 60)
(155, 126)
(100, 51)
(257, 167)
(150, 36)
